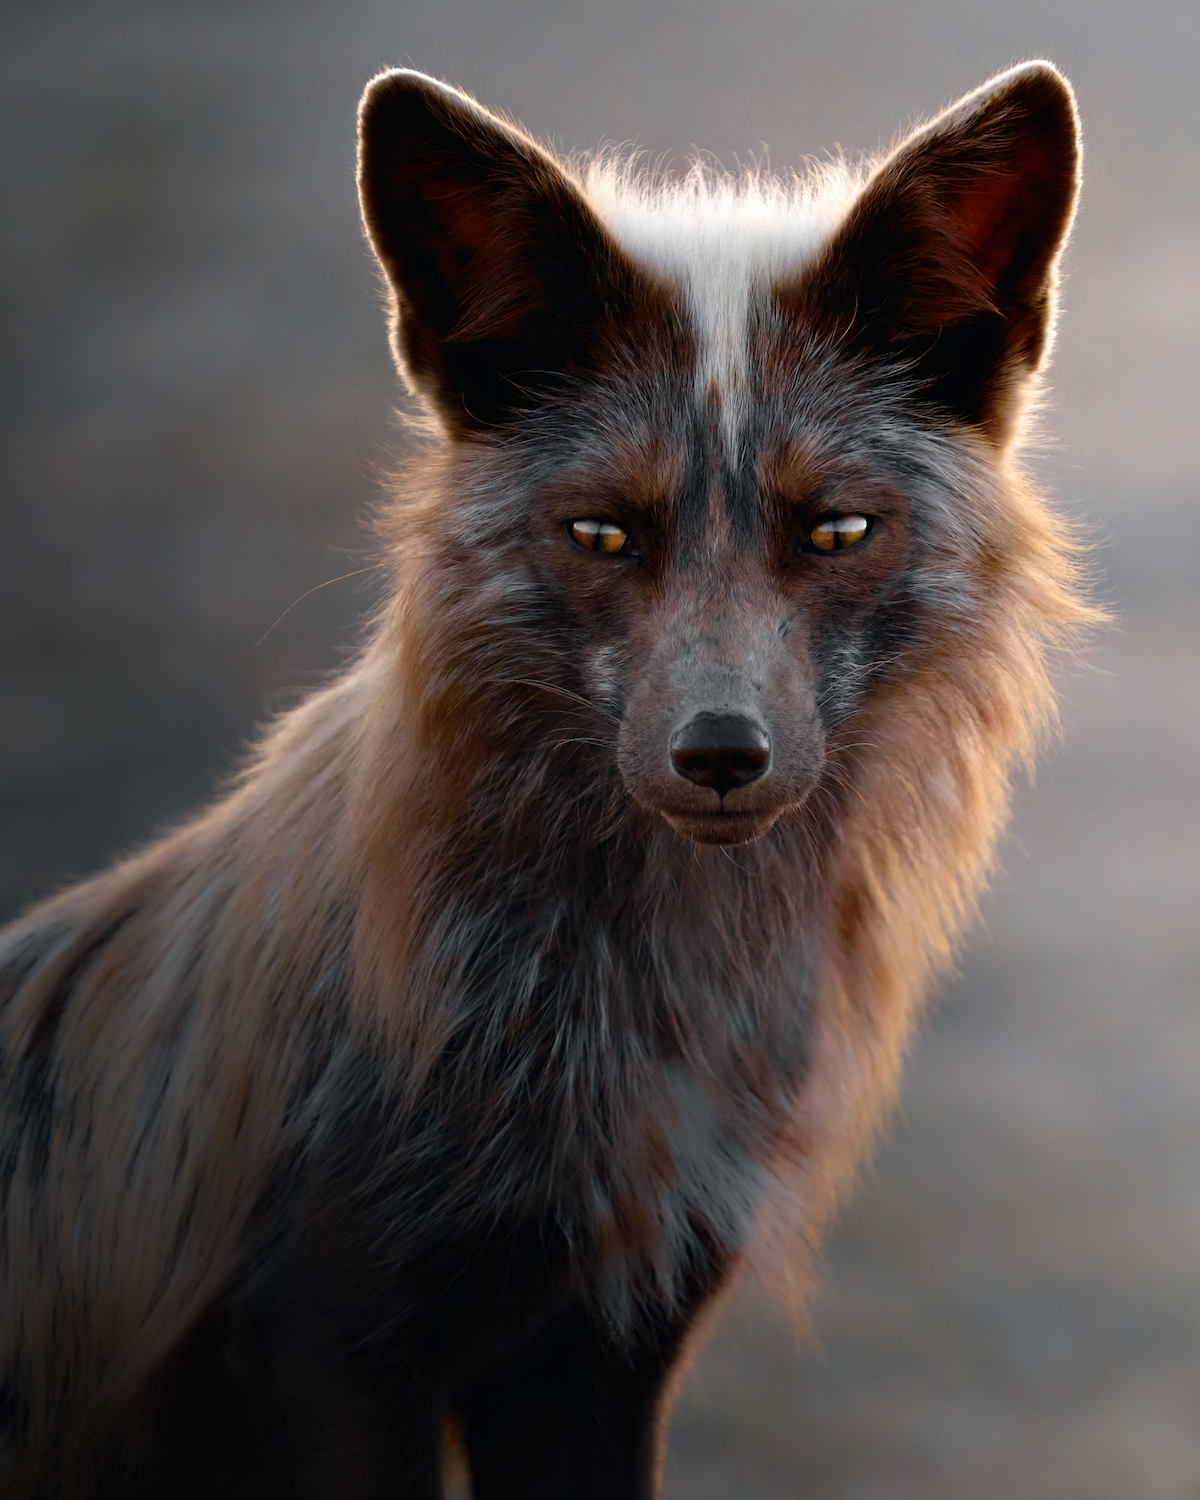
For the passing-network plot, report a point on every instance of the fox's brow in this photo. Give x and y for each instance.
(649, 482)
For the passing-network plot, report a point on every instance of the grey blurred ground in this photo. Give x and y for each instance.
(195, 404)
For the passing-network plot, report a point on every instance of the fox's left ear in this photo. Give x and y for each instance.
(946, 267)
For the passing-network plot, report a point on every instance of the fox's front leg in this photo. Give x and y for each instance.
(578, 1414)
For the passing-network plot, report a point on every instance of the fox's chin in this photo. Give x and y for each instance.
(721, 827)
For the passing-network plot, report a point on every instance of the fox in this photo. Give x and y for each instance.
(552, 967)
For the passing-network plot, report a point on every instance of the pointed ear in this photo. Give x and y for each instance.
(504, 283)
(946, 265)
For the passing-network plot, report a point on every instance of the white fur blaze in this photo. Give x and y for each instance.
(721, 239)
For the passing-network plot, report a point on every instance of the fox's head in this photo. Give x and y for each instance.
(727, 458)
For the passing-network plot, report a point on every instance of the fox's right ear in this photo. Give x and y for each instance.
(503, 280)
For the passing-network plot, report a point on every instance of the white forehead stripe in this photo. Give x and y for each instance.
(719, 238)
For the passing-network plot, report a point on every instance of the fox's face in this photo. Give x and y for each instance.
(729, 601)
(716, 442)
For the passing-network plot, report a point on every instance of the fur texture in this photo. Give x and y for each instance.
(562, 954)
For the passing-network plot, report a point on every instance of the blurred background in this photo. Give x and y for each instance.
(196, 407)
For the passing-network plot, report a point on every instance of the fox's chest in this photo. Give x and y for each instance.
(594, 1165)
(596, 1114)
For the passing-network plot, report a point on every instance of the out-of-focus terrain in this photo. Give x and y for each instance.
(195, 413)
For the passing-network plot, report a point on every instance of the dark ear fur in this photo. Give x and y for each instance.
(946, 265)
(504, 281)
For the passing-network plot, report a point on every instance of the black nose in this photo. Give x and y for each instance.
(721, 750)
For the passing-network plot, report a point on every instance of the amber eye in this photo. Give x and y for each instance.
(598, 536)
(838, 532)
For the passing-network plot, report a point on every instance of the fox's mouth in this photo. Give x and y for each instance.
(721, 826)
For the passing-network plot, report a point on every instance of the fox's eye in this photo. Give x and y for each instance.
(598, 536)
(839, 531)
